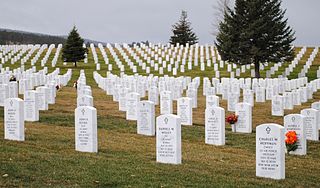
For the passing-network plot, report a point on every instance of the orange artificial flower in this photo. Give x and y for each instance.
(291, 137)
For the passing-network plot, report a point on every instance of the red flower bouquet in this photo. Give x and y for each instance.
(232, 119)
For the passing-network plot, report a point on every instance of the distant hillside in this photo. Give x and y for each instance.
(8, 36)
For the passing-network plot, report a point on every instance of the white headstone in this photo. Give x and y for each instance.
(153, 95)
(244, 123)
(215, 126)
(168, 139)
(212, 101)
(184, 110)
(316, 105)
(277, 106)
(296, 122)
(51, 96)
(166, 102)
(31, 106)
(43, 93)
(4, 93)
(123, 99)
(146, 118)
(84, 100)
(13, 89)
(86, 129)
(193, 94)
(288, 100)
(132, 105)
(22, 85)
(248, 97)
(296, 97)
(270, 151)
(312, 118)
(269, 92)
(233, 99)
(260, 94)
(14, 119)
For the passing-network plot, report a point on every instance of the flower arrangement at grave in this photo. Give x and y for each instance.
(291, 141)
(232, 119)
(13, 78)
(58, 87)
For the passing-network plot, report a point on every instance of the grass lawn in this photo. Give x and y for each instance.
(47, 158)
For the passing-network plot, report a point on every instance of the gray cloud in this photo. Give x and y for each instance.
(138, 20)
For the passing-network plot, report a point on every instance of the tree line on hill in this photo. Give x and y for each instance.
(18, 37)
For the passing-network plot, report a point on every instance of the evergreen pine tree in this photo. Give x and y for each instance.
(255, 32)
(182, 32)
(73, 50)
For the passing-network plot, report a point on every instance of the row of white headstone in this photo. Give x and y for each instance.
(308, 63)
(86, 132)
(129, 102)
(270, 137)
(285, 94)
(14, 53)
(168, 128)
(19, 52)
(163, 61)
(163, 54)
(174, 59)
(17, 111)
(120, 92)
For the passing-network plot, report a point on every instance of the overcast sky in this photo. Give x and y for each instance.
(139, 20)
